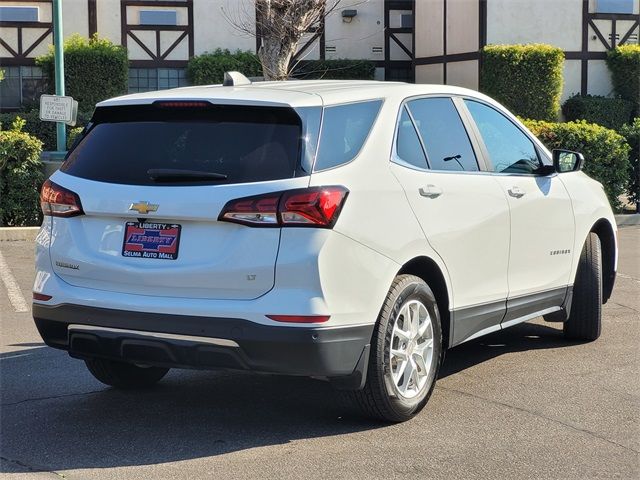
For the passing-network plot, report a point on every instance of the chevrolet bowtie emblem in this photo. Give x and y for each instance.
(144, 207)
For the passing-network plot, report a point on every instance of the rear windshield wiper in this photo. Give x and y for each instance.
(177, 175)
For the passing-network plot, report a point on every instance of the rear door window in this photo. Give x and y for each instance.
(344, 130)
(443, 135)
(242, 144)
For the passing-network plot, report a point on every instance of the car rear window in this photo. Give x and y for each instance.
(245, 144)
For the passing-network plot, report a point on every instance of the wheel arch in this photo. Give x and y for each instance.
(429, 271)
(605, 232)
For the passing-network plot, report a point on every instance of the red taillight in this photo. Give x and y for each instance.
(306, 207)
(57, 201)
(42, 297)
(299, 318)
(258, 211)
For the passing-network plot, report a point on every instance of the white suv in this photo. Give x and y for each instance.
(351, 231)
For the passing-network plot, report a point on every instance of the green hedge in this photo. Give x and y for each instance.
(609, 112)
(20, 177)
(335, 70)
(527, 79)
(605, 151)
(209, 68)
(95, 69)
(624, 64)
(632, 134)
(44, 131)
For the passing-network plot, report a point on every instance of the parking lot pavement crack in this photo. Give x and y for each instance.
(539, 415)
(32, 468)
(53, 397)
(625, 306)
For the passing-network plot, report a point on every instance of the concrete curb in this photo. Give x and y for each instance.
(17, 234)
(628, 220)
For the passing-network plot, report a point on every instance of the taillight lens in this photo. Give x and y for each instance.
(258, 211)
(306, 207)
(57, 201)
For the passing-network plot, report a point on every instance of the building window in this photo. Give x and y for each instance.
(149, 79)
(21, 87)
(19, 14)
(158, 17)
(614, 6)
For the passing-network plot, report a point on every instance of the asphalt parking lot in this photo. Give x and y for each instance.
(521, 403)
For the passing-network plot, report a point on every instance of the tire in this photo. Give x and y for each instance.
(585, 318)
(124, 375)
(382, 397)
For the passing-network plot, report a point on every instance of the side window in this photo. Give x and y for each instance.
(510, 150)
(408, 146)
(443, 134)
(344, 130)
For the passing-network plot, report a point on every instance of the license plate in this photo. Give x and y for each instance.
(151, 240)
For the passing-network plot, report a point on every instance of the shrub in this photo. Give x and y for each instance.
(624, 64)
(632, 134)
(335, 70)
(72, 135)
(95, 69)
(20, 177)
(44, 131)
(527, 79)
(608, 112)
(605, 151)
(209, 68)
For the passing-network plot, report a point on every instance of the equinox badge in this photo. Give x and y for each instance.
(144, 207)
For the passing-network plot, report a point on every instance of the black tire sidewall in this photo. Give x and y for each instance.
(415, 290)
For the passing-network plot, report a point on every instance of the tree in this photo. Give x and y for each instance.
(280, 25)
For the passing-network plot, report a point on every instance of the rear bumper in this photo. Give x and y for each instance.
(205, 342)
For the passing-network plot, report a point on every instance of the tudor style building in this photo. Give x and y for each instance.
(429, 41)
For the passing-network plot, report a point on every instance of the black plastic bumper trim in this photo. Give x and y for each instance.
(310, 351)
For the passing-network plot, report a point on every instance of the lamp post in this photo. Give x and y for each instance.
(59, 69)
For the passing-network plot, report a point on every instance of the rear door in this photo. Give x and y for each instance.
(542, 223)
(462, 210)
(153, 180)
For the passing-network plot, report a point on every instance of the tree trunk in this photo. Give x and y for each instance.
(275, 55)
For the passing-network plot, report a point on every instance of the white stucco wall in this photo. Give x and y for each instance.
(213, 25)
(355, 39)
(108, 12)
(429, 17)
(556, 22)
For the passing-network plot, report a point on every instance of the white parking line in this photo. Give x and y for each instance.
(13, 290)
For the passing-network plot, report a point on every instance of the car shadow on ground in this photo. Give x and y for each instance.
(523, 337)
(54, 416)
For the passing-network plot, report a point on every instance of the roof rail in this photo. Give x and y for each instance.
(234, 79)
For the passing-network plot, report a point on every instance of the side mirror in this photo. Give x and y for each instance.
(567, 161)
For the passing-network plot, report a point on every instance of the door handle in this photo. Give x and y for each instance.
(516, 192)
(430, 191)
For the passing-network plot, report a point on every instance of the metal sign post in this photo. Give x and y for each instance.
(59, 68)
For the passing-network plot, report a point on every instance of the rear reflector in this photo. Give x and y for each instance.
(57, 201)
(305, 207)
(41, 296)
(299, 318)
